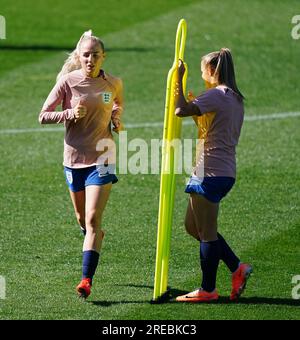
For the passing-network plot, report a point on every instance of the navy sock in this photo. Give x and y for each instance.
(209, 259)
(227, 255)
(90, 259)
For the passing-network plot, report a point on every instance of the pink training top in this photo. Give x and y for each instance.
(103, 98)
(220, 123)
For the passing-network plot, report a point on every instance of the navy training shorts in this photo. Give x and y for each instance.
(78, 179)
(212, 188)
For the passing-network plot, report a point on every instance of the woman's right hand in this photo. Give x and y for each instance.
(80, 111)
(190, 96)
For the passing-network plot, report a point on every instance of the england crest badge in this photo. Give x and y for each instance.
(106, 97)
(69, 176)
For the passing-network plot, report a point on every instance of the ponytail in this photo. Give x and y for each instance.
(72, 63)
(222, 64)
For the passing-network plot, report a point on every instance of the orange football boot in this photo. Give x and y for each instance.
(84, 288)
(239, 280)
(199, 295)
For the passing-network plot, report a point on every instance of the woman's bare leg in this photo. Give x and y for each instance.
(96, 199)
(190, 222)
(206, 217)
(78, 200)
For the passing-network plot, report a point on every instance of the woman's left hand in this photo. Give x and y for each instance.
(181, 68)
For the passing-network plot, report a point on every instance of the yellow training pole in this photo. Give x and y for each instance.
(172, 131)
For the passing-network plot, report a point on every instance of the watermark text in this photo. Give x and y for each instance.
(2, 27)
(296, 289)
(138, 156)
(295, 33)
(2, 288)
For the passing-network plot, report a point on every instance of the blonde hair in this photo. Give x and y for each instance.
(72, 63)
(221, 63)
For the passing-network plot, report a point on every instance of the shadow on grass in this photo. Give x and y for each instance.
(172, 293)
(70, 48)
(268, 301)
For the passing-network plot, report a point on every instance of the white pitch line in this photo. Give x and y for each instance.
(16, 131)
(272, 116)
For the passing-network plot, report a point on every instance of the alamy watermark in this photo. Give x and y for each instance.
(2, 288)
(138, 156)
(295, 33)
(2, 27)
(296, 289)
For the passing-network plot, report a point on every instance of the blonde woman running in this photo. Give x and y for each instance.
(92, 102)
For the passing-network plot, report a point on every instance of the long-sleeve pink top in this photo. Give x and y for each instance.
(103, 98)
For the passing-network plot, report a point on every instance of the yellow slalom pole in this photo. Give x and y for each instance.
(172, 131)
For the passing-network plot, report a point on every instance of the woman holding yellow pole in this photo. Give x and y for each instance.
(221, 108)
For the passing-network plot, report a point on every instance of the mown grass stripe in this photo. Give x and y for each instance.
(273, 116)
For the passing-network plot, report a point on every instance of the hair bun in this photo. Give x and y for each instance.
(88, 33)
(224, 50)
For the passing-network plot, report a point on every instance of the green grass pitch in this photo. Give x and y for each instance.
(40, 243)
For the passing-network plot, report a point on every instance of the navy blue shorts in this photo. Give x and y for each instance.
(212, 188)
(78, 179)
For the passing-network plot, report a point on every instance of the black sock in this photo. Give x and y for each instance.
(209, 259)
(227, 255)
(90, 259)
